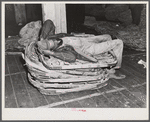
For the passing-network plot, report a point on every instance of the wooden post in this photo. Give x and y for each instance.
(57, 13)
(20, 13)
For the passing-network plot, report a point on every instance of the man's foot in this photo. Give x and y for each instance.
(111, 71)
(116, 67)
(116, 77)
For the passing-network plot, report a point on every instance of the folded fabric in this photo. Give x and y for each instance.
(29, 33)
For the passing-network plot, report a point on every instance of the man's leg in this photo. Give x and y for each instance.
(48, 29)
(99, 38)
(115, 45)
(118, 50)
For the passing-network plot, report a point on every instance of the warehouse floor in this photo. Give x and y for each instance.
(124, 93)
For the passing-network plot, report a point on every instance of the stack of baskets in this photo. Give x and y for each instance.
(52, 76)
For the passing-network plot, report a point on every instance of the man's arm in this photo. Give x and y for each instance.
(64, 55)
(100, 38)
(78, 50)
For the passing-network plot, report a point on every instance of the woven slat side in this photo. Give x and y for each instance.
(56, 86)
(67, 78)
(63, 91)
(71, 80)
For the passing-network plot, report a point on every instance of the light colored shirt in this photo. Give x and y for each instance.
(88, 45)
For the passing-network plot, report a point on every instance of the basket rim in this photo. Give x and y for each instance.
(43, 63)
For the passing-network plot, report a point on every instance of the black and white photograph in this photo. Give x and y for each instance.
(75, 60)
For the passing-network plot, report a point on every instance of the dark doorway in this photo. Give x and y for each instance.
(33, 13)
(75, 14)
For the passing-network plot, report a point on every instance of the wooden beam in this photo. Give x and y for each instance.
(20, 13)
(57, 13)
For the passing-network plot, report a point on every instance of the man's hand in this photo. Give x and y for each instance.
(48, 52)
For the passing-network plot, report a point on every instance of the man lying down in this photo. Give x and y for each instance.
(70, 48)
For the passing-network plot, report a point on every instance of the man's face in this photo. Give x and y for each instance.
(51, 44)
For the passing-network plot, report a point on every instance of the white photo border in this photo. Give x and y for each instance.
(67, 113)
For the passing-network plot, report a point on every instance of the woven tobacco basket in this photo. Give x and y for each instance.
(53, 76)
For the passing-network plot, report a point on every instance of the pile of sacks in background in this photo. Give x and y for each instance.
(30, 33)
(11, 43)
(132, 35)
